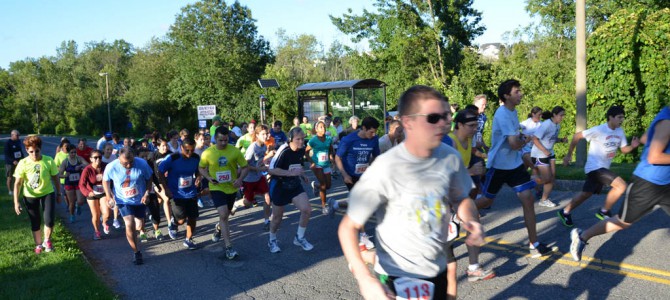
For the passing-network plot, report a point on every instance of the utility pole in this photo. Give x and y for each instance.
(580, 92)
(109, 114)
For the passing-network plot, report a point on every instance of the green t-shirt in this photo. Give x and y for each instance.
(59, 159)
(307, 128)
(212, 130)
(243, 143)
(332, 131)
(222, 166)
(36, 176)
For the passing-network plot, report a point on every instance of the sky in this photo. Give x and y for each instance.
(36, 28)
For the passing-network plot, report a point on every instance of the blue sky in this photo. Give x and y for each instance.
(35, 28)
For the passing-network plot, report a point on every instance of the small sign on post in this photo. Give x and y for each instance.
(206, 112)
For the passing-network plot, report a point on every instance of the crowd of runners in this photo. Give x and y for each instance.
(421, 181)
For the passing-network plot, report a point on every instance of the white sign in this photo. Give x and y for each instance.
(206, 112)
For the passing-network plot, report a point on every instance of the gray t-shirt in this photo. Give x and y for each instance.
(254, 155)
(410, 197)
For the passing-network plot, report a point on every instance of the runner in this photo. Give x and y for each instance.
(528, 127)
(36, 179)
(90, 185)
(255, 183)
(13, 153)
(201, 144)
(244, 142)
(182, 179)
(286, 172)
(392, 138)
(219, 166)
(306, 128)
(104, 140)
(278, 135)
(650, 186)
(356, 152)
(320, 153)
(84, 151)
(162, 198)
(506, 166)
(130, 177)
(412, 251)
(542, 153)
(154, 201)
(604, 140)
(173, 141)
(216, 123)
(73, 165)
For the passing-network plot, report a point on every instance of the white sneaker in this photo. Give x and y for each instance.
(364, 239)
(315, 191)
(302, 243)
(274, 247)
(547, 203)
(116, 224)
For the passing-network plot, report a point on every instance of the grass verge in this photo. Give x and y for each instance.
(576, 173)
(61, 274)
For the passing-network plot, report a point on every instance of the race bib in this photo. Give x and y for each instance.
(73, 177)
(185, 182)
(223, 176)
(410, 288)
(360, 168)
(97, 189)
(129, 192)
(17, 154)
(114, 151)
(294, 167)
(322, 157)
(98, 177)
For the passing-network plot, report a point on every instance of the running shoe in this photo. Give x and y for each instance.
(216, 236)
(235, 208)
(547, 203)
(137, 258)
(38, 249)
(231, 253)
(480, 274)
(72, 218)
(78, 210)
(325, 210)
(364, 239)
(576, 244)
(274, 246)
(540, 250)
(331, 207)
(566, 219)
(143, 237)
(158, 234)
(314, 188)
(96, 236)
(48, 247)
(189, 244)
(116, 224)
(172, 231)
(302, 242)
(105, 228)
(200, 204)
(603, 215)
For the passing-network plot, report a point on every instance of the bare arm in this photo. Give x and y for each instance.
(467, 212)
(635, 142)
(516, 142)
(575, 139)
(658, 144)
(539, 145)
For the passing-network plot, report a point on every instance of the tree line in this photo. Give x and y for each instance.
(213, 54)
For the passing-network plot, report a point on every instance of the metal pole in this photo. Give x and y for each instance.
(109, 114)
(580, 92)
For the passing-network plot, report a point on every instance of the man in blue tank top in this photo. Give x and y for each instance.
(649, 186)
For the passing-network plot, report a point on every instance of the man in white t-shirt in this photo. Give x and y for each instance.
(412, 206)
(604, 140)
(392, 138)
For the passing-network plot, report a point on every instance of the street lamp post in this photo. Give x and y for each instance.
(109, 115)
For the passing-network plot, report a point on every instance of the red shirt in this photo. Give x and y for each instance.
(85, 154)
(91, 180)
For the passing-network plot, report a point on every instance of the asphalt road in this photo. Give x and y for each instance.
(630, 264)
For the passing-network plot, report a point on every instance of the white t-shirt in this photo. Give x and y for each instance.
(547, 133)
(603, 143)
(385, 143)
(529, 126)
(501, 155)
(410, 198)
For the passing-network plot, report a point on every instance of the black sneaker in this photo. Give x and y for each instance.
(137, 259)
(603, 215)
(565, 219)
(540, 250)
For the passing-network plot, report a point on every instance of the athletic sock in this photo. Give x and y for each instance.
(273, 236)
(534, 245)
(473, 267)
(301, 232)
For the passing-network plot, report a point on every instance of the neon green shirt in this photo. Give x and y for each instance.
(243, 143)
(222, 165)
(59, 159)
(36, 176)
(307, 128)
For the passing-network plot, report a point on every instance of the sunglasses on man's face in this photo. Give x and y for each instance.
(434, 117)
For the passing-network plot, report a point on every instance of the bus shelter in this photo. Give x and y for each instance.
(358, 97)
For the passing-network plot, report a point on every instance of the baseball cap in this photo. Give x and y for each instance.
(216, 118)
(108, 135)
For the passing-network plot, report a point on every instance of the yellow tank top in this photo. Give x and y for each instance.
(466, 153)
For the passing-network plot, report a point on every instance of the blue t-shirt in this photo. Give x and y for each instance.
(656, 174)
(447, 140)
(356, 153)
(129, 185)
(280, 138)
(501, 155)
(320, 151)
(181, 173)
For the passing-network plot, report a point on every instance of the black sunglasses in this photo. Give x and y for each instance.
(434, 117)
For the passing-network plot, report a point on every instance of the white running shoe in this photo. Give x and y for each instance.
(302, 242)
(364, 239)
(274, 247)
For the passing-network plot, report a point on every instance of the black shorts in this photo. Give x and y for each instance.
(450, 253)
(220, 199)
(281, 196)
(440, 282)
(353, 180)
(596, 179)
(517, 178)
(9, 170)
(185, 208)
(546, 161)
(641, 196)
